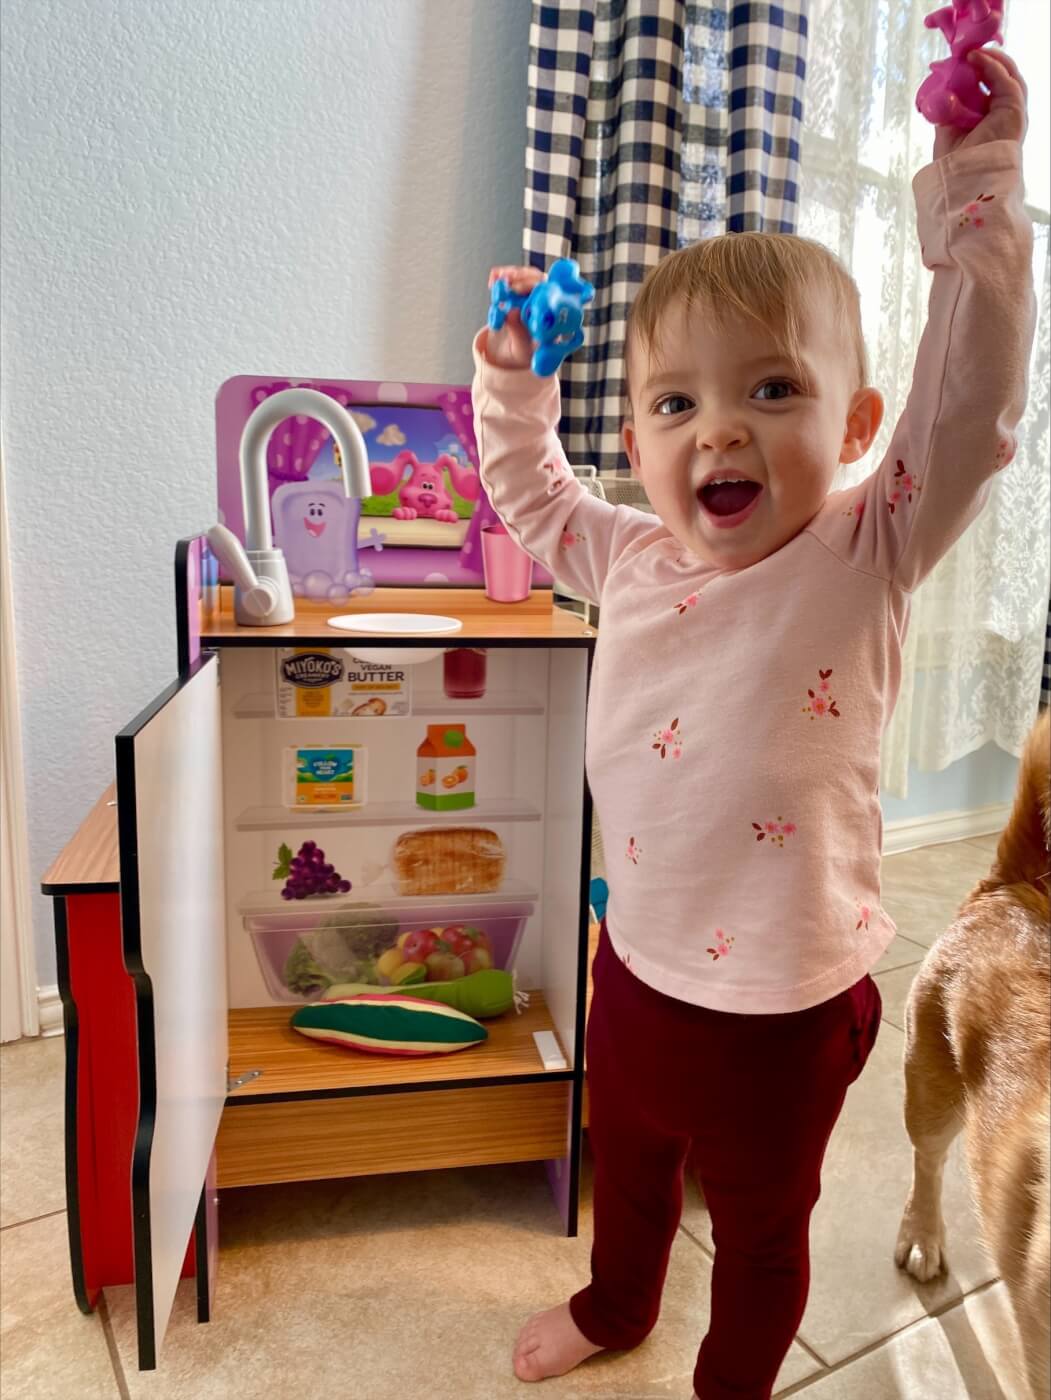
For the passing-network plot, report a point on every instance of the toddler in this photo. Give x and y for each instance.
(748, 658)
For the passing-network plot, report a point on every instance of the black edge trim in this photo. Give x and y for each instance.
(103, 887)
(200, 1239)
(131, 938)
(216, 640)
(182, 616)
(559, 1076)
(576, 1126)
(71, 1027)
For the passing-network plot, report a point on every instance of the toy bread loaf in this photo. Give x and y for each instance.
(449, 860)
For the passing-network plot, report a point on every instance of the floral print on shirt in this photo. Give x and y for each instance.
(821, 701)
(668, 740)
(775, 831)
(971, 213)
(906, 485)
(864, 914)
(690, 601)
(634, 851)
(723, 943)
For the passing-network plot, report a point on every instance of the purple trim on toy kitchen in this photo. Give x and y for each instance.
(295, 445)
(197, 596)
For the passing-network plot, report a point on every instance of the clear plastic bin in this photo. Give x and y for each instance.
(302, 951)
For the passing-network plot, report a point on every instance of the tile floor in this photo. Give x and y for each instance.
(415, 1285)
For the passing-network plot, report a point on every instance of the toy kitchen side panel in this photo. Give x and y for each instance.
(290, 950)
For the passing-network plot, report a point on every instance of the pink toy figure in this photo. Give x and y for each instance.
(423, 493)
(951, 94)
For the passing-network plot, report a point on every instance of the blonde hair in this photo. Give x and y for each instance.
(771, 278)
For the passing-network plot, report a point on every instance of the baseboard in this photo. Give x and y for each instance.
(49, 1008)
(912, 832)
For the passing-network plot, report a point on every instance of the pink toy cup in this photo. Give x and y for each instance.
(508, 569)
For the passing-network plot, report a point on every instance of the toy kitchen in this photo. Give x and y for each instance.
(364, 788)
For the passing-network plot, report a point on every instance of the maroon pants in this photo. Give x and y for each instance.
(752, 1100)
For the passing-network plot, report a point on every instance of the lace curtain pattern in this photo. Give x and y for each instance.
(974, 654)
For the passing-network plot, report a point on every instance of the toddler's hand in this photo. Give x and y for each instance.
(511, 347)
(1006, 118)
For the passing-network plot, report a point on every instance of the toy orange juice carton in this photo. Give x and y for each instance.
(445, 769)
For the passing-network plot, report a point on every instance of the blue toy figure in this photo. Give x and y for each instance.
(552, 313)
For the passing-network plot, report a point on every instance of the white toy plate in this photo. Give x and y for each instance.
(400, 624)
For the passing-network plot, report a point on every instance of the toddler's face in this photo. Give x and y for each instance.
(735, 452)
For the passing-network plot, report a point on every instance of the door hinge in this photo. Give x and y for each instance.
(242, 1079)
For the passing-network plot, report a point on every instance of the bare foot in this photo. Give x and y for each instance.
(550, 1344)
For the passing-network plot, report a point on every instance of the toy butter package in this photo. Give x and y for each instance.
(321, 682)
(329, 778)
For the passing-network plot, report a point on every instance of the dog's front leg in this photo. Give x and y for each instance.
(933, 1109)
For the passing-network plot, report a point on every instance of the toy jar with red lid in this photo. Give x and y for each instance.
(463, 673)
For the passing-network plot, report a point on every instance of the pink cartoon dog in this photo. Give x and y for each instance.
(422, 492)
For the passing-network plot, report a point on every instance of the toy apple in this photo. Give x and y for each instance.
(479, 937)
(478, 960)
(456, 937)
(419, 945)
(444, 967)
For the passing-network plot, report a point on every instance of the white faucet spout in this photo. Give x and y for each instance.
(287, 403)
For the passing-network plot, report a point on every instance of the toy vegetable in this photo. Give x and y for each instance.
(480, 994)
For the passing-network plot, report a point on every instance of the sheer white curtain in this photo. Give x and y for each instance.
(974, 655)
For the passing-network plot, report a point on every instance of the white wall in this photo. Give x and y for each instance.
(982, 779)
(195, 189)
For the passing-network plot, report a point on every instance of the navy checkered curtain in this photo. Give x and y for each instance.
(651, 123)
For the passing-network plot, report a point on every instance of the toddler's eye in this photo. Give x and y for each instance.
(672, 404)
(781, 387)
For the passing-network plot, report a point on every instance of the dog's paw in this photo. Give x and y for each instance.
(920, 1253)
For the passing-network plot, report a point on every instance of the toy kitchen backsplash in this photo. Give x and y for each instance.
(421, 527)
(383, 823)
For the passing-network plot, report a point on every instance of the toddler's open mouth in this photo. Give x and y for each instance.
(728, 502)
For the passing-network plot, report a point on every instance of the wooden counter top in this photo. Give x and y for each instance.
(90, 861)
(535, 619)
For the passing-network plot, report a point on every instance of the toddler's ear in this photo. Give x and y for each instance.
(864, 416)
(631, 447)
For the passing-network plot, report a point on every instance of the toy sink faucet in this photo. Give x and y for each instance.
(262, 592)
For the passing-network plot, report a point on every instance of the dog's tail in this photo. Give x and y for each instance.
(1022, 856)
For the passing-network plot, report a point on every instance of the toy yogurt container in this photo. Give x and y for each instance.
(320, 943)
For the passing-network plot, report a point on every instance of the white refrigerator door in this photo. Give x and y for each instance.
(170, 823)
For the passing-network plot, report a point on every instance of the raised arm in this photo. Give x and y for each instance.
(524, 469)
(970, 381)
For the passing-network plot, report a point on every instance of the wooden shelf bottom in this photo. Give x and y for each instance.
(293, 1065)
(385, 1114)
(309, 1139)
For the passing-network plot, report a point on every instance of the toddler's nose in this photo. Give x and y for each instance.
(721, 436)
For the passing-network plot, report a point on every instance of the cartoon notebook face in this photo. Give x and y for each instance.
(316, 527)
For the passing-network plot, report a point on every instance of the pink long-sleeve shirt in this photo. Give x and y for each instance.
(735, 717)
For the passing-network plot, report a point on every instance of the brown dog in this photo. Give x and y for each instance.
(978, 1041)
